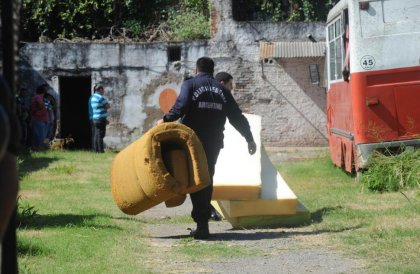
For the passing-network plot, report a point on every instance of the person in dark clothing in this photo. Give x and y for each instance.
(203, 105)
(22, 111)
(92, 125)
(225, 79)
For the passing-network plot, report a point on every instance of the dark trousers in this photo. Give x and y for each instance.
(8, 260)
(201, 211)
(99, 134)
(23, 131)
(92, 139)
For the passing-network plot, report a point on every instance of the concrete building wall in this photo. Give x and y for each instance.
(292, 109)
(133, 76)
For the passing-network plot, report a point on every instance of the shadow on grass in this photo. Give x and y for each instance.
(132, 219)
(255, 235)
(65, 220)
(233, 235)
(318, 216)
(30, 164)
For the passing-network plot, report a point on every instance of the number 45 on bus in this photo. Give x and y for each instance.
(373, 62)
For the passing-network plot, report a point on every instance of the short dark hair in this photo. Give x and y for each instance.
(97, 88)
(205, 64)
(223, 77)
(42, 89)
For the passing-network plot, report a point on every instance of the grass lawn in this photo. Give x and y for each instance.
(78, 229)
(383, 229)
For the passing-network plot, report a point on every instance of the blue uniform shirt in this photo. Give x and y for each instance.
(203, 105)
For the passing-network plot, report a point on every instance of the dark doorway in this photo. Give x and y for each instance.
(74, 97)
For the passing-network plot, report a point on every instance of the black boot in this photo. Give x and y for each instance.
(202, 231)
(215, 215)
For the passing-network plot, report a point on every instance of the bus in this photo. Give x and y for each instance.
(373, 76)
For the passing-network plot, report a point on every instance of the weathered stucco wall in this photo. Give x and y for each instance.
(134, 75)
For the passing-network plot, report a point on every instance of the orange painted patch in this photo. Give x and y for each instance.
(167, 99)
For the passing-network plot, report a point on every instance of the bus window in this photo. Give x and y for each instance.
(335, 49)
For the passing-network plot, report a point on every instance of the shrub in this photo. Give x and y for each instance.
(189, 26)
(135, 28)
(392, 173)
(25, 213)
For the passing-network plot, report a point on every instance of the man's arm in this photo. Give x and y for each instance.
(239, 122)
(181, 105)
(104, 103)
(8, 189)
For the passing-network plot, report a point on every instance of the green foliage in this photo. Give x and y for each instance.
(187, 19)
(93, 19)
(200, 6)
(282, 10)
(134, 28)
(65, 19)
(25, 213)
(392, 173)
(189, 26)
(271, 10)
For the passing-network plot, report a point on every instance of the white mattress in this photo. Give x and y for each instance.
(238, 174)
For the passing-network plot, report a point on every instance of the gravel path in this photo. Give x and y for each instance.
(279, 250)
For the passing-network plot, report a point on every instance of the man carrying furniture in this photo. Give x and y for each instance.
(203, 105)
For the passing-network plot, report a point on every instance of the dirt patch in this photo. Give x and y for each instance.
(280, 155)
(279, 250)
(28, 194)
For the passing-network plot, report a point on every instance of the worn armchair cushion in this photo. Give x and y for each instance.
(166, 163)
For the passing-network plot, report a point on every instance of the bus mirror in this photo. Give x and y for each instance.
(346, 74)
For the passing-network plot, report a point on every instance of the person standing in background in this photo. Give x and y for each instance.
(50, 123)
(92, 126)
(100, 107)
(39, 119)
(22, 112)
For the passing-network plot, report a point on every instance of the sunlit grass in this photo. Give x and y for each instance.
(76, 228)
(383, 229)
